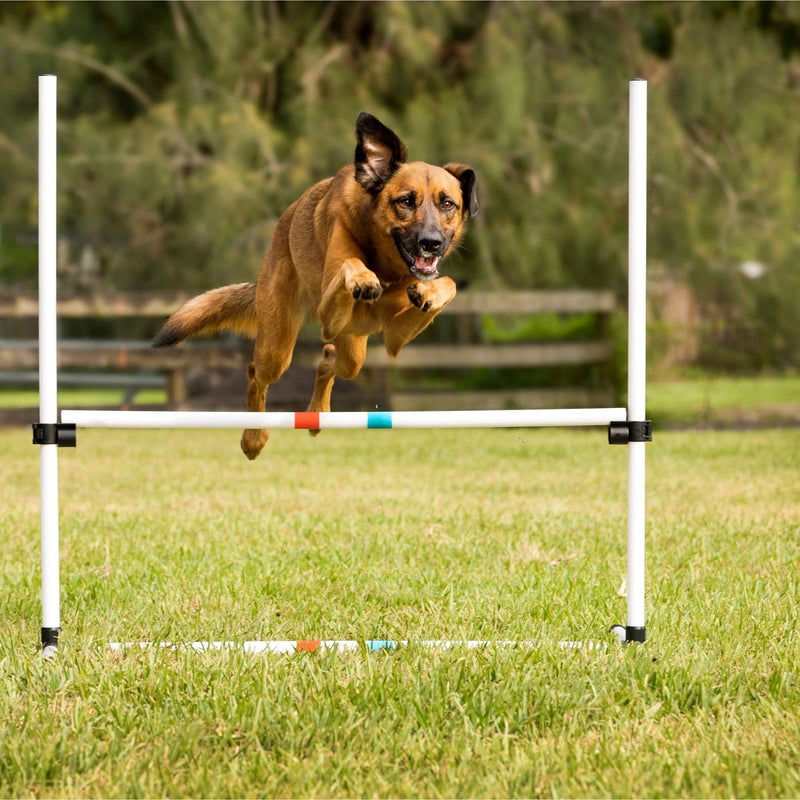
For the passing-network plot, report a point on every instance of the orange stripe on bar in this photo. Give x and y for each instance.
(308, 647)
(308, 420)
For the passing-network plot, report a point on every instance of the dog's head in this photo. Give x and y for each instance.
(421, 207)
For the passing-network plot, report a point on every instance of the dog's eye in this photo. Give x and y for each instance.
(405, 202)
(448, 205)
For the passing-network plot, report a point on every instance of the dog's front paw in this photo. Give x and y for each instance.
(366, 290)
(431, 297)
(361, 283)
(418, 297)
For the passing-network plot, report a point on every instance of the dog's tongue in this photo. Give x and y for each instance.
(426, 263)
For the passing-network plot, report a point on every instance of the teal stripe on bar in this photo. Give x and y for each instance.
(379, 419)
(374, 645)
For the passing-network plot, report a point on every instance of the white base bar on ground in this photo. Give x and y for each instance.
(512, 418)
(346, 645)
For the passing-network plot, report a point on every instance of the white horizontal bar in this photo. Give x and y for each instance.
(513, 418)
(508, 418)
(344, 645)
(177, 419)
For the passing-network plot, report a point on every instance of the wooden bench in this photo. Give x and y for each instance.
(466, 351)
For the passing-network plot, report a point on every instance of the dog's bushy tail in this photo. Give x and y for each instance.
(229, 308)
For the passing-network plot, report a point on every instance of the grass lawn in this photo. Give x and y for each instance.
(404, 535)
(69, 397)
(725, 401)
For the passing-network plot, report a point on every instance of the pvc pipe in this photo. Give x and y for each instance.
(637, 244)
(514, 418)
(637, 336)
(48, 347)
(48, 359)
(344, 645)
(433, 419)
(636, 537)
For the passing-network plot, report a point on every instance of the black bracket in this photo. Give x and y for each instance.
(64, 434)
(625, 432)
(627, 633)
(633, 634)
(50, 637)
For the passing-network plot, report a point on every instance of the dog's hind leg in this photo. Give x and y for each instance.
(253, 440)
(279, 325)
(323, 383)
(344, 358)
(261, 372)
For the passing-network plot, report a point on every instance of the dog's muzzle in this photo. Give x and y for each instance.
(422, 254)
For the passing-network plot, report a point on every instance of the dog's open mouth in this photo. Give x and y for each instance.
(423, 263)
(425, 267)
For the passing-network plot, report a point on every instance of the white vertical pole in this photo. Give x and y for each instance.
(637, 327)
(48, 354)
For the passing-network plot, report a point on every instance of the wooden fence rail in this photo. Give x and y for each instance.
(162, 304)
(465, 353)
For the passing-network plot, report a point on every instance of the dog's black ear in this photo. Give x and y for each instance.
(468, 179)
(378, 153)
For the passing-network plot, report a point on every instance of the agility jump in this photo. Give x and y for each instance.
(625, 426)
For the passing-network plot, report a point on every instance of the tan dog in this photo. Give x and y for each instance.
(360, 252)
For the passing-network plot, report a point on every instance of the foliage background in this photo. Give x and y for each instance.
(185, 128)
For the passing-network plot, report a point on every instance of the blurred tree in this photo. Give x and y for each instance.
(185, 128)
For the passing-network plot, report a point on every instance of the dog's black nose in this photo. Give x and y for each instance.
(430, 242)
